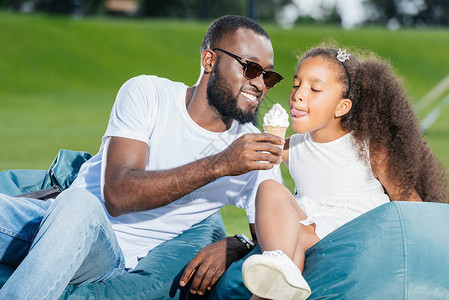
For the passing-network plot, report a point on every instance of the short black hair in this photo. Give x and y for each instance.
(225, 26)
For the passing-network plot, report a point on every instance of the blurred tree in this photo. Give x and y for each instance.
(387, 9)
(402, 12)
(267, 9)
(204, 9)
(170, 8)
(76, 7)
(436, 12)
(210, 9)
(412, 12)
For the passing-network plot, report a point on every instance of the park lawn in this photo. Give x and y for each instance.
(59, 76)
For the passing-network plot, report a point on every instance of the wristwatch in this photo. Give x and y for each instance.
(245, 240)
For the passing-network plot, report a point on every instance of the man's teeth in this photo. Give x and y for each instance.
(250, 97)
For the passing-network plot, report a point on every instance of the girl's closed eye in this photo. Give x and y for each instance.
(317, 85)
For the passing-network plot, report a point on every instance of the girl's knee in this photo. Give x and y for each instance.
(271, 192)
(271, 188)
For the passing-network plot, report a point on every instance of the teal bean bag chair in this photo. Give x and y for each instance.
(61, 173)
(396, 251)
(156, 275)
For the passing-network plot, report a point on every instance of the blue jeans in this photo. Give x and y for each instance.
(52, 245)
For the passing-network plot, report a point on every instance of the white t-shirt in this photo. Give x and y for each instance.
(334, 185)
(153, 110)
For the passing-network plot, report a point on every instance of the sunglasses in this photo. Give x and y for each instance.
(253, 70)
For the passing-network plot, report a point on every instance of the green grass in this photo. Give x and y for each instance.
(59, 76)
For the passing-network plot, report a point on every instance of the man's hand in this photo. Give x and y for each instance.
(251, 152)
(210, 263)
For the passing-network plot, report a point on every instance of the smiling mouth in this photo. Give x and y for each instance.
(250, 98)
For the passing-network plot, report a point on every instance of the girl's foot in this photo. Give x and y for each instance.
(273, 275)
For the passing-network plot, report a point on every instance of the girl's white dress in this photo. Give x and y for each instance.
(333, 184)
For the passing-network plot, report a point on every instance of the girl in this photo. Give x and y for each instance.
(358, 146)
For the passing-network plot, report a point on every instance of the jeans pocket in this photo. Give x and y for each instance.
(13, 248)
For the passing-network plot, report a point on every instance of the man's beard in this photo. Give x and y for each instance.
(219, 96)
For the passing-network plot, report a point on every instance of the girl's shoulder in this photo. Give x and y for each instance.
(290, 143)
(296, 139)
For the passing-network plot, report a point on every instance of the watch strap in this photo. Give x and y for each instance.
(245, 240)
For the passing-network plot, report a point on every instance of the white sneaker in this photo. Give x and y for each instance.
(273, 275)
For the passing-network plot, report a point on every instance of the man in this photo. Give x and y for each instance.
(171, 156)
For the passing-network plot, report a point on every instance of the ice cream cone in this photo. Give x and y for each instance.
(275, 121)
(276, 130)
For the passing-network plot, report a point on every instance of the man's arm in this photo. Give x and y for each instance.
(129, 188)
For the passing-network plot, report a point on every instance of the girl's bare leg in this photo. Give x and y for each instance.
(277, 223)
(278, 227)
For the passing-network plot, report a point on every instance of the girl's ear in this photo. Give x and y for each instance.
(343, 107)
(208, 59)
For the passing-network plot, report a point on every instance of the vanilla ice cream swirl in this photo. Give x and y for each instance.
(276, 116)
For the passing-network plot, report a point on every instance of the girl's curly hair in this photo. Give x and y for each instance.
(383, 118)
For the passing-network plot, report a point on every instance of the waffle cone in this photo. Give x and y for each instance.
(276, 130)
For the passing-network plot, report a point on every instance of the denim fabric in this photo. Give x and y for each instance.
(69, 241)
(19, 221)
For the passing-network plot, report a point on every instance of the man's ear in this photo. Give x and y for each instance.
(343, 107)
(208, 59)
